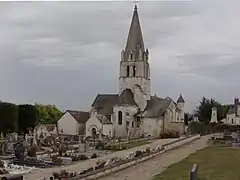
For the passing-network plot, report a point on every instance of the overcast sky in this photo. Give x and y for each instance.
(65, 53)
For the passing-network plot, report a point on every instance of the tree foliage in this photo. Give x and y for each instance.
(8, 117)
(204, 110)
(187, 118)
(27, 117)
(48, 114)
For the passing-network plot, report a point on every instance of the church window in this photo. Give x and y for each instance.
(119, 117)
(131, 56)
(132, 123)
(232, 121)
(128, 70)
(138, 121)
(134, 70)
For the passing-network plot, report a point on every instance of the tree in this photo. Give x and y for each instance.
(48, 114)
(187, 118)
(204, 110)
(27, 117)
(8, 117)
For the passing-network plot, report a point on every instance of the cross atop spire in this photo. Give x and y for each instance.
(135, 38)
(135, 3)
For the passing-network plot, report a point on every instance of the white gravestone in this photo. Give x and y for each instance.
(214, 115)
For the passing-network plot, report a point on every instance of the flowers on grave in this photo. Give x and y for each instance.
(57, 161)
(78, 157)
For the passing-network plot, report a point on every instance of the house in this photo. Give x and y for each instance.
(73, 122)
(133, 111)
(233, 114)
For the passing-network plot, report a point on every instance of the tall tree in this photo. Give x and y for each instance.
(204, 110)
(8, 117)
(48, 114)
(27, 117)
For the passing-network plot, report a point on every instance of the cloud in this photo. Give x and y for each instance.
(66, 52)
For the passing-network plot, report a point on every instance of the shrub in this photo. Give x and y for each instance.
(94, 156)
(100, 145)
(115, 147)
(169, 134)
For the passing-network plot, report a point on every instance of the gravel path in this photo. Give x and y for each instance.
(39, 173)
(146, 170)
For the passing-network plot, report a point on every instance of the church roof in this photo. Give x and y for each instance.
(104, 103)
(156, 107)
(79, 116)
(232, 109)
(103, 119)
(126, 98)
(135, 38)
(180, 99)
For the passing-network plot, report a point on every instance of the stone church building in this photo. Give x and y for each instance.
(134, 111)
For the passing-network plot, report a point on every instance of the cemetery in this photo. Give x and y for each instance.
(21, 154)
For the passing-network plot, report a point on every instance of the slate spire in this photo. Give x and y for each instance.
(135, 38)
(180, 99)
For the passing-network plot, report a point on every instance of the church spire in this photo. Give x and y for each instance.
(135, 38)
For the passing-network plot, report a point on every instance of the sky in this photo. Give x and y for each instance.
(65, 53)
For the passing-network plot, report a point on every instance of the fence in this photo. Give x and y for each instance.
(194, 172)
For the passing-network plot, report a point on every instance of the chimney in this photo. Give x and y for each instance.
(236, 101)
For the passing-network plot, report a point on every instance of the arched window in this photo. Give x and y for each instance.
(138, 122)
(134, 70)
(120, 117)
(128, 70)
(131, 56)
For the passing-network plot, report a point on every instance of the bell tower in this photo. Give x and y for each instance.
(134, 66)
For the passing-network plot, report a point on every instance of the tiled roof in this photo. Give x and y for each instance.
(104, 103)
(126, 98)
(232, 109)
(79, 116)
(103, 119)
(156, 107)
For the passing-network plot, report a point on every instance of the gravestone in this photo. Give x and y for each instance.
(214, 115)
(81, 147)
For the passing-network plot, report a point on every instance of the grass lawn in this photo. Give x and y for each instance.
(215, 162)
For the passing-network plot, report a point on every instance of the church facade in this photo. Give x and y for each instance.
(134, 111)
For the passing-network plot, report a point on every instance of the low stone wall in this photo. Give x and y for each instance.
(130, 162)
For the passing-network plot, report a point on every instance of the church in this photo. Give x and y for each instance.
(133, 111)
